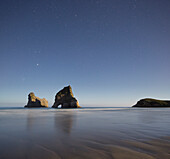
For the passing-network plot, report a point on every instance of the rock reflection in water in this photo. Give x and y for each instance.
(65, 121)
(30, 121)
(37, 121)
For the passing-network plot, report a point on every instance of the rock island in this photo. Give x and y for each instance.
(66, 99)
(36, 102)
(148, 102)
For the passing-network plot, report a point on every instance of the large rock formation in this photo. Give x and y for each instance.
(148, 102)
(66, 99)
(35, 102)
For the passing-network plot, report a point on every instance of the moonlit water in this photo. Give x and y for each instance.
(81, 133)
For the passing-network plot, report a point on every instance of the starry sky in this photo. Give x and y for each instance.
(112, 52)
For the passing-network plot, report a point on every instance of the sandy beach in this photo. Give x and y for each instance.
(119, 133)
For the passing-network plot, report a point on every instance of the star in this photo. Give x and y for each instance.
(37, 64)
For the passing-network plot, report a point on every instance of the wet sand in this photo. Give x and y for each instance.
(85, 133)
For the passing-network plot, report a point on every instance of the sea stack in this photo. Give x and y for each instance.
(66, 99)
(36, 102)
(152, 103)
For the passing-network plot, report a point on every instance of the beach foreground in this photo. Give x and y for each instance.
(119, 133)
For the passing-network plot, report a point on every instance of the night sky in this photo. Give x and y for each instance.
(112, 52)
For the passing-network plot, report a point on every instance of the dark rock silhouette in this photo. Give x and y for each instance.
(35, 102)
(148, 102)
(66, 99)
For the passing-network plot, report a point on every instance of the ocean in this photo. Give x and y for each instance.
(98, 132)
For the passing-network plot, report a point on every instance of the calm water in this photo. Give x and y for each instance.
(80, 133)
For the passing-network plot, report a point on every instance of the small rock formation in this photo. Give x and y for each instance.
(66, 99)
(35, 102)
(148, 102)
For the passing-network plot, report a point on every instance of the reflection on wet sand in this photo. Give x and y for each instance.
(65, 122)
(30, 121)
(65, 134)
(33, 120)
(149, 117)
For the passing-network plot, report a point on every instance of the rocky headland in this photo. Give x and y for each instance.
(152, 103)
(66, 99)
(36, 102)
